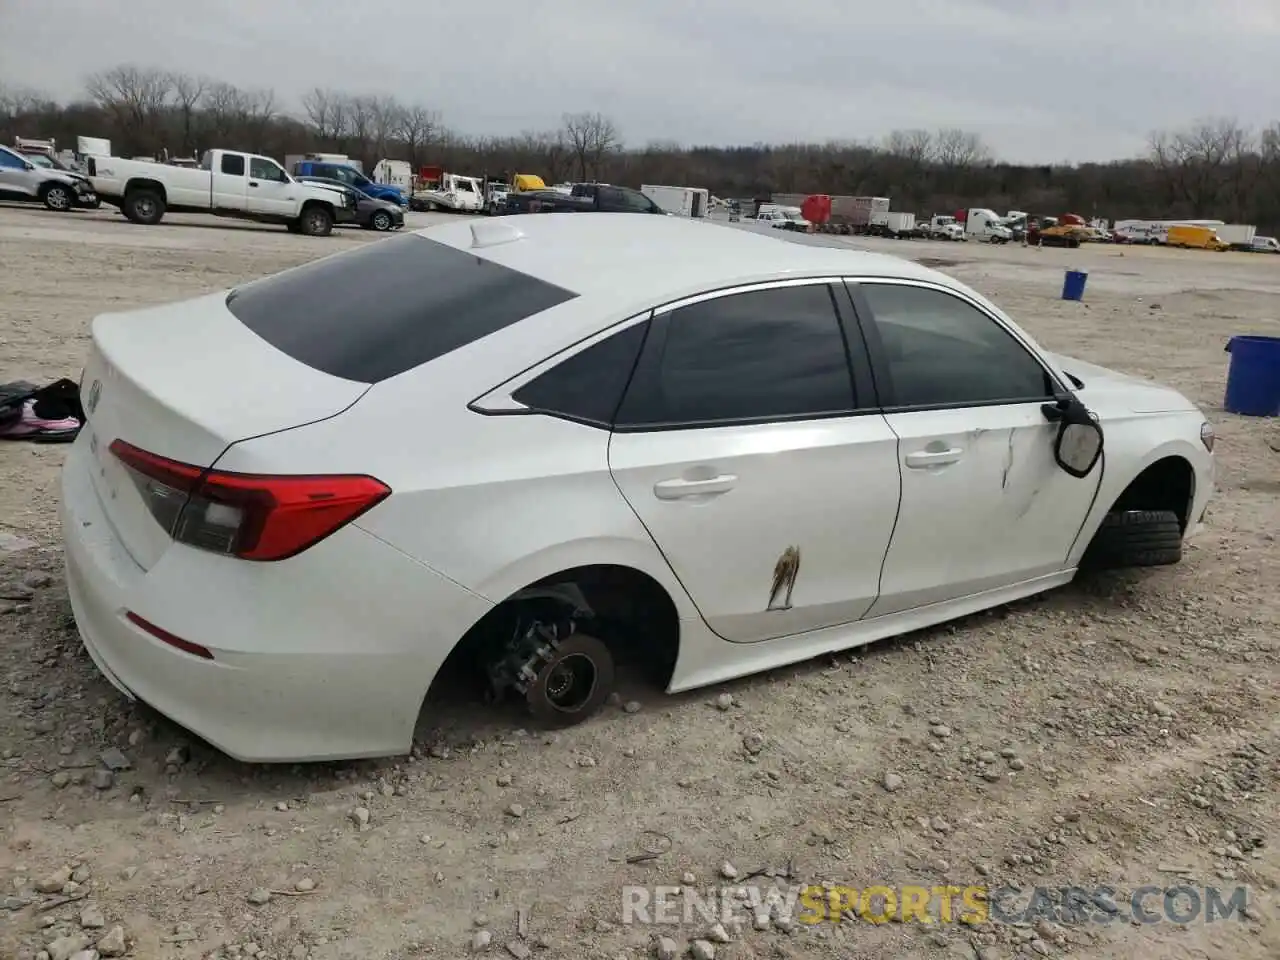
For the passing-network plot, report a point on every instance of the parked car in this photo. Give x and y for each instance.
(1265, 245)
(517, 446)
(37, 178)
(349, 175)
(586, 197)
(364, 210)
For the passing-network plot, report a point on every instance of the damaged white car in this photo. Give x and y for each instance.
(551, 443)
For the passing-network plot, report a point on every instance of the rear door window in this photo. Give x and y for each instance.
(388, 307)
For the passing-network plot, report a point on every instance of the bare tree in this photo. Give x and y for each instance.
(259, 109)
(386, 121)
(135, 97)
(914, 146)
(359, 126)
(957, 149)
(188, 91)
(418, 126)
(324, 109)
(1198, 164)
(225, 106)
(591, 137)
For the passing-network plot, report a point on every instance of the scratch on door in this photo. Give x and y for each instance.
(785, 572)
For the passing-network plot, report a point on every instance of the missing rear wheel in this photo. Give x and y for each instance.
(572, 682)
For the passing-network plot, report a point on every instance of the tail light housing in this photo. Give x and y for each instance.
(250, 516)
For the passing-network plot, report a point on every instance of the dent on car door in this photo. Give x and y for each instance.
(984, 503)
(759, 465)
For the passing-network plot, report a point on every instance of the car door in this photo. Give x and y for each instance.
(984, 504)
(16, 177)
(269, 191)
(760, 466)
(230, 180)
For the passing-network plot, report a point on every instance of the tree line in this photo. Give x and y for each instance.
(1213, 168)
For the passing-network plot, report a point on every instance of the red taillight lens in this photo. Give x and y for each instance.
(250, 516)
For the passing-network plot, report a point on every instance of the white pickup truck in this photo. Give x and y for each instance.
(227, 184)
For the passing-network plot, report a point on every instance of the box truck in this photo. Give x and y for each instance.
(682, 201)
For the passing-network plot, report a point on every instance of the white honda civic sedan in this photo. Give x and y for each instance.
(533, 446)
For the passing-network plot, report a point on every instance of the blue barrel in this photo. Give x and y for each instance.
(1073, 285)
(1253, 377)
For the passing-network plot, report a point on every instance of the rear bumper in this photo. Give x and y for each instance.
(326, 658)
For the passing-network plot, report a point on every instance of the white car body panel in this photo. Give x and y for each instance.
(783, 484)
(330, 652)
(987, 476)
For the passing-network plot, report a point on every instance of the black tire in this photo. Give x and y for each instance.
(144, 206)
(380, 221)
(590, 674)
(57, 197)
(1135, 538)
(315, 221)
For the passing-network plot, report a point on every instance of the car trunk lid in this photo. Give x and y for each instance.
(185, 382)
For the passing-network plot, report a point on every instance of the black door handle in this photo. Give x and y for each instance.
(253, 183)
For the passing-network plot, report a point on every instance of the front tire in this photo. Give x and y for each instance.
(316, 222)
(574, 684)
(1135, 538)
(380, 221)
(57, 197)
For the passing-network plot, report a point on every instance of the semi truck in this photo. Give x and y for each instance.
(986, 226)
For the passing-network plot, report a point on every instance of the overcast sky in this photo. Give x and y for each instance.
(1041, 80)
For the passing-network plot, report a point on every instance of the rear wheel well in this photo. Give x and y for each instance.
(629, 610)
(151, 185)
(1167, 484)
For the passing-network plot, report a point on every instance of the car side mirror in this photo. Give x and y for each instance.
(1078, 445)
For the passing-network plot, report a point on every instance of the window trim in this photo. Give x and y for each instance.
(499, 402)
(651, 353)
(883, 373)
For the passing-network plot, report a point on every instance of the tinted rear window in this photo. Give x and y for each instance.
(389, 307)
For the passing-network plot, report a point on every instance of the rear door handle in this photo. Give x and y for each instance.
(933, 458)
(676, 489)
(253, 183)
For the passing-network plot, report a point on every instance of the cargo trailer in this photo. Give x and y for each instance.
(681, 201)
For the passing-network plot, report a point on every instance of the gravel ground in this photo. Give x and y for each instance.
(1119, 732)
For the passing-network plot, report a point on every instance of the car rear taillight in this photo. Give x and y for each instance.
(250, 516)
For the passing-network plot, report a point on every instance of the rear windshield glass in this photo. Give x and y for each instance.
(388, 307)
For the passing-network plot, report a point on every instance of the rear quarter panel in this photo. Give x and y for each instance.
(493, 502)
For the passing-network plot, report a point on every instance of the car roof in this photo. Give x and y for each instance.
(621, 257)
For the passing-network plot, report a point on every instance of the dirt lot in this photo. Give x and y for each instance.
(1120, 732)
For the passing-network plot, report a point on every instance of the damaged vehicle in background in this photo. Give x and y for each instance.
(37, 178)
(361, 209)
(631, 441)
